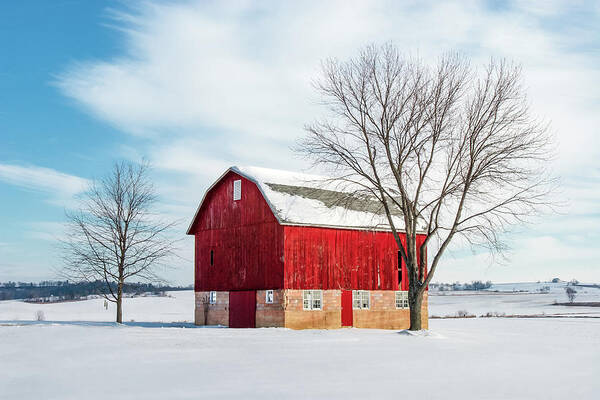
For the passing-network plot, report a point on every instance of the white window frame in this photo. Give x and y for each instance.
(402, 299)
(212, 297)
(237, 190)
(361, 299)
(269, 299)
(312, 299)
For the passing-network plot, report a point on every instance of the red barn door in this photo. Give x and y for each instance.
(242, 309)
(347, 319)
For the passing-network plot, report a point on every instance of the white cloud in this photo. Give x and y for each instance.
(48, 231)
(538, 258)
(241, 72)
(60, 186)
(203, 85)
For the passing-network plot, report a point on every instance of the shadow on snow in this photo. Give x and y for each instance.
(106, 324)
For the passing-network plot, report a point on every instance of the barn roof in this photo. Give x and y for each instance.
(313, 200)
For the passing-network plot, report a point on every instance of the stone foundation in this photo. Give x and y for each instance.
(212, 314)
(383, 314)
(287, 311)
(329, 317)
(270, 315)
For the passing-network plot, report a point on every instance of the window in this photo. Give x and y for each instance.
(312, 299)
(212, 258)
(402, 299)
(237, 190)
(212, 298)
(360, 299)
(269, 297)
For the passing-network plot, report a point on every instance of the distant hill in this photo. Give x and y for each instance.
(555, 286)
(65, 290)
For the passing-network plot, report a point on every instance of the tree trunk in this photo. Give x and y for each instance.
(120, 303)
(415, 300)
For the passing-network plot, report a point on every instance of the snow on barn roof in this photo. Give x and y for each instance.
(303, 199)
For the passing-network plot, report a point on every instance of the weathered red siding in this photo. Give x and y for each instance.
(326, 258)
(245, 237)
(249, 247)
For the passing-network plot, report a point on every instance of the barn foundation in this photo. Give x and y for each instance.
(287, 311)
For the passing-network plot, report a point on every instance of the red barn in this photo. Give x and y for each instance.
(276, 248)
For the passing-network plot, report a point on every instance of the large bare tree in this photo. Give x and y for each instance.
(453, 149)
(115, 235)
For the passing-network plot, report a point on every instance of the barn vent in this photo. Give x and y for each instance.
(237, 189)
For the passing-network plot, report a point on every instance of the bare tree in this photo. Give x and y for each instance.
(449, 151)
(115, 236)
(571, 293)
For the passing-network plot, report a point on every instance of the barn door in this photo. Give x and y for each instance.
(242, 309)
(347, 319)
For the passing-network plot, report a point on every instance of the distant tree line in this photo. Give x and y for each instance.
(65, 290)
(474, 285)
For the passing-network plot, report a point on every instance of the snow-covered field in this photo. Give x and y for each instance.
(459, 359)
(480, 358)
(508, 298)
(176, 307)
(514, 299)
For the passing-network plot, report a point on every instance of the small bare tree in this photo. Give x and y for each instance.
(455, 152)
(115, 236)
(40, 316)
(571, 293)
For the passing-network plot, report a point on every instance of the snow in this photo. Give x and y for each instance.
(460, 359)
(179, 306)
(176, 307)
(74, 355)
(531, 287)
(291, 209)
(480, 358)
(514, 299)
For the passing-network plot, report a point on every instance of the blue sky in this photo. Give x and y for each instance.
(197, 86)
(40, 128)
